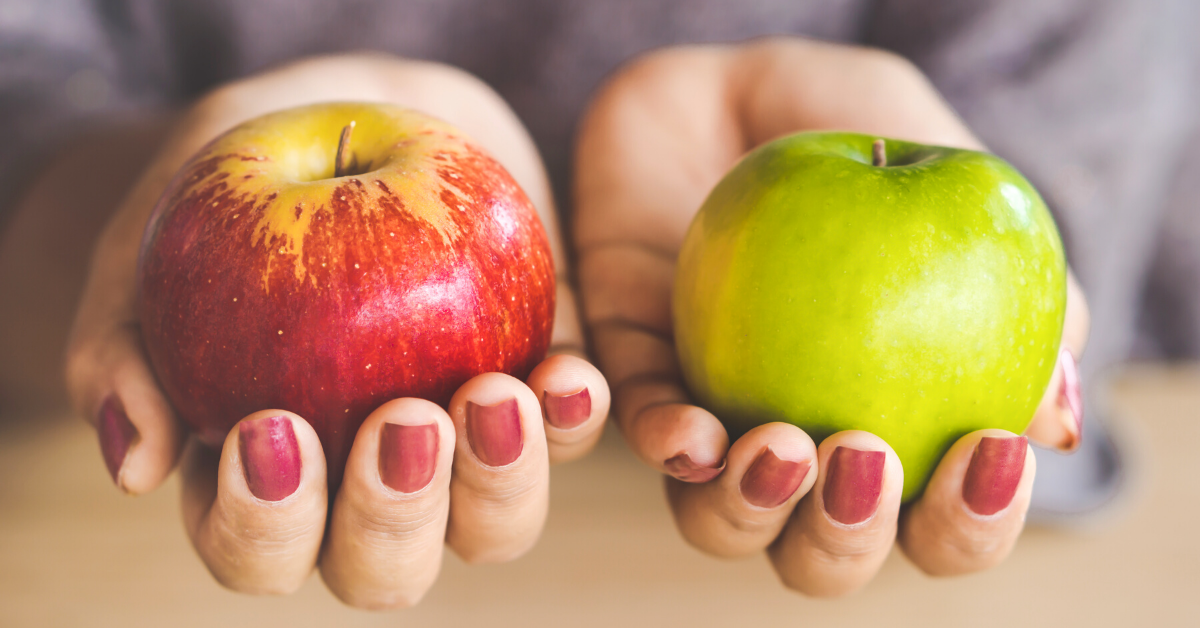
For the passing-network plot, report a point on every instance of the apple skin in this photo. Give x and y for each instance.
(266, 282)
(919, 301)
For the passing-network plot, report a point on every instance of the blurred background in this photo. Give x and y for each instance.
(1097, 102)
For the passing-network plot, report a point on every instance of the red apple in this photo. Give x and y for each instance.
(270, 277)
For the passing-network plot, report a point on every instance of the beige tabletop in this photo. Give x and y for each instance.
(73, 552)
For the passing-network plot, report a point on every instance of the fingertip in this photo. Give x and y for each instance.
(994, 472)
(401, 447)
(1058, 421)
(974, 507)
(272, 456)
(499, 418)
(861, 477)
(573, 392)
(684, 441)
(140, 438)
(575, 401)
(775, 464)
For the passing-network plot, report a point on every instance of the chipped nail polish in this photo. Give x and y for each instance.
(683, 468)
(1070, 394)
(270, 457)
(771, 480)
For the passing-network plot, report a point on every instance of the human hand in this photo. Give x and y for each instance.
(656, 139)
(257, 509)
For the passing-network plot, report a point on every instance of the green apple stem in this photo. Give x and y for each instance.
(878, 154)
(342, 166)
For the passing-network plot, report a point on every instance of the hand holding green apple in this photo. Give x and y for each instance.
(842, 294)
(841, 281)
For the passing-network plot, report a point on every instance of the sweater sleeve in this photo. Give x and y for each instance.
(65, 65)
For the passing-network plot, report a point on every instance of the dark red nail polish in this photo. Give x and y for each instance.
(853, 484)
(494, 432)
(567, 411)
(771, 480)
(1070, 394)
(116, 433)
(270, 457)
(994, 473)
(683, 468)
(408, 456)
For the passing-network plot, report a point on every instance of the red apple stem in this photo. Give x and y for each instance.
(342, 166)
(878, 154)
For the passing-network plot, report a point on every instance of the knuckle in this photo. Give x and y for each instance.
(978, 548)
(261, 535)
(834, 550)
(383, 528)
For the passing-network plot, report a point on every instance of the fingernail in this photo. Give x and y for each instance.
(682, 468)
(994, 474)
(853, 485)
(270, 457)
(494, 432)
(771, 480)
(567, 411)
(116, 433)
(1069, 394)
(408, 456)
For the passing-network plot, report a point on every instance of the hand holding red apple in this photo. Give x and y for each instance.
(295, 264)
(657, 139)
(258, 510)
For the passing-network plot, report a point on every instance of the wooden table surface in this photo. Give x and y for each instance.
(74, 552)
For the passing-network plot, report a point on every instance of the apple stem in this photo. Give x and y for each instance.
(878, 154)
(341, 167)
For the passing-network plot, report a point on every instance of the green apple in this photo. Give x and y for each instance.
(839, 281)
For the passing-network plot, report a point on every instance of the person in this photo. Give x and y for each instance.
(657, 135)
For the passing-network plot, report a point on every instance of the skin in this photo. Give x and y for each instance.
(654, 142)
(381, 548)
(882, 314)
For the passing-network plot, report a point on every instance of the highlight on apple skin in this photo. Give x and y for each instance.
(843, 281)
(267, 282)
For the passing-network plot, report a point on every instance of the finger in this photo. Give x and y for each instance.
(385, 539)
(652, 408)
(839, 536)
(627, 290)
(974, 507)
(256, 512)
(683, 441)
(575, 399)
(1058, 421)
(767, 471)
(111, 384)
(501, 485)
